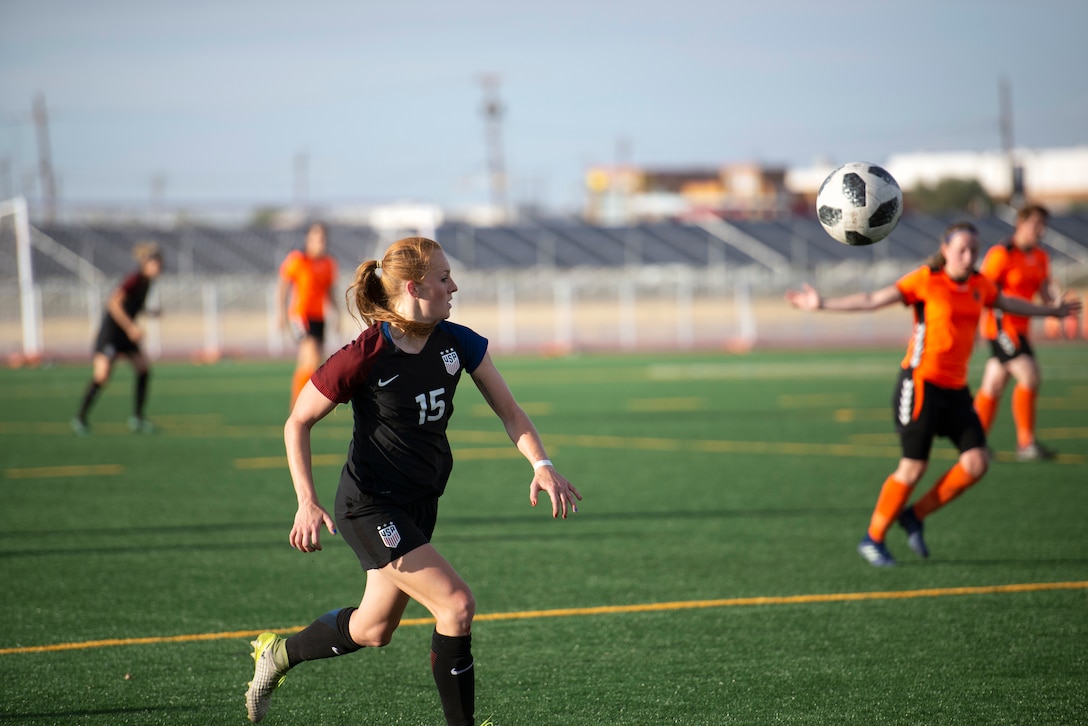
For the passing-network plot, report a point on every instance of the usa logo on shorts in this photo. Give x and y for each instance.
(389, 534)
(453, 363)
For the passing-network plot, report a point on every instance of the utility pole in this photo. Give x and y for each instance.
(45, 162)
(301, 180)
(1016, 193)
(7, 186)
(496, 165)
(158, 197)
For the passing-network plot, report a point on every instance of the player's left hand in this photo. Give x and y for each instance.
(555, 485)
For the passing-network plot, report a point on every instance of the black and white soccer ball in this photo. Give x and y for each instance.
(859, 203)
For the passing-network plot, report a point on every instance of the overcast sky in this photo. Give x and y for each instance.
(385, 99)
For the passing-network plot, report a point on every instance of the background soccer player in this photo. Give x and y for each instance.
(1020, 268)
(309, 274)
(400, 376)
(931, 398)
(119, 335)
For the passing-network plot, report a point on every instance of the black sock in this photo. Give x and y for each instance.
(326, 637)
(141, 392)
(452, 666)
(88, 398)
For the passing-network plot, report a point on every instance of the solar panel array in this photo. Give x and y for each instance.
(799, 243)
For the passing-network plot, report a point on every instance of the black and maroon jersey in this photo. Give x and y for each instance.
(402, 403)
(135, 288)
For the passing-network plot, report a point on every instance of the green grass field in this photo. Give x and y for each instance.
(710, 576)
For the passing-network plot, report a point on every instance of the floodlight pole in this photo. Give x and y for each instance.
(1016, 171)
(493, 112)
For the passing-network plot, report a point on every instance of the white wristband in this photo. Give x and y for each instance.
(542, 462)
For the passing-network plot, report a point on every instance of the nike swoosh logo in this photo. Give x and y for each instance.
(383, 384)
(456, 672)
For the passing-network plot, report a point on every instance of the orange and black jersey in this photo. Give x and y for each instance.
(402, 403)
(946, 314)
(1017, 273)
(312, 278)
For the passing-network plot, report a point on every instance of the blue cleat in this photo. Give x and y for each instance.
(910, 522)
(875, 553)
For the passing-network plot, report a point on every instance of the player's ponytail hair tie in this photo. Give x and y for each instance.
(378, 269)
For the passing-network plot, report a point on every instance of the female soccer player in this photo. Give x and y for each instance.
(1020, 268)
(931, 397)
(311, 272)
(400, 375)
(120, 335)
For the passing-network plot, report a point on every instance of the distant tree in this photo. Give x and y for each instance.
(950, 195)
(264, 217)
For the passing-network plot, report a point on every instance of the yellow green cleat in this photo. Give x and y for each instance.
(269, 673)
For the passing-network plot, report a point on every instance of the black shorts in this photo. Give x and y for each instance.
(310, 329)
(113, 342)
(1005, 347)
(948, 412)
(378, 530)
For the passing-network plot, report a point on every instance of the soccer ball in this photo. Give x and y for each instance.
(859, 203)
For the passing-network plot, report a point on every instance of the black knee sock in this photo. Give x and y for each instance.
(451, 664)
(141, 392)
(88, 398)
(326, 637)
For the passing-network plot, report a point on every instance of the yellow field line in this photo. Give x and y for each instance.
(648, 443)
(602, 610)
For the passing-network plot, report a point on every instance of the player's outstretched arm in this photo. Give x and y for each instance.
(1067, 305)
(807, 298)
(520, 429)
(310, 407)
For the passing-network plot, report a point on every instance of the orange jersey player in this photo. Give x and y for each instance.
(931, 398)
(310, 274)
(1021, 269)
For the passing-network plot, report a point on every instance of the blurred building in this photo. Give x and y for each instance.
(1057, 178)
(629, 194)
(626, 194)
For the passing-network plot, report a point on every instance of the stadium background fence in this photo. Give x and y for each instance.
(547, 286)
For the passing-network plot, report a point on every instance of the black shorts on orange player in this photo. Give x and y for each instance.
(933, 412)
(307, 328)
(1006, 347)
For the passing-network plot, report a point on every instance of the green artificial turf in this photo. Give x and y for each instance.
(709, 577)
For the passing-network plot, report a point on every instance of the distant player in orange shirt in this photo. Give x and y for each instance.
(1021, 269)
(311, 272)
(931, 398)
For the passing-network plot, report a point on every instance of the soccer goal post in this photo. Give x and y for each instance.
(29, 312)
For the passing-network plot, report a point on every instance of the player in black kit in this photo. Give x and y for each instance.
(120, 335)
(400, 375)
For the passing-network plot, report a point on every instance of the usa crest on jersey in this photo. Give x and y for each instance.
(453, 363)
(389, 534)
